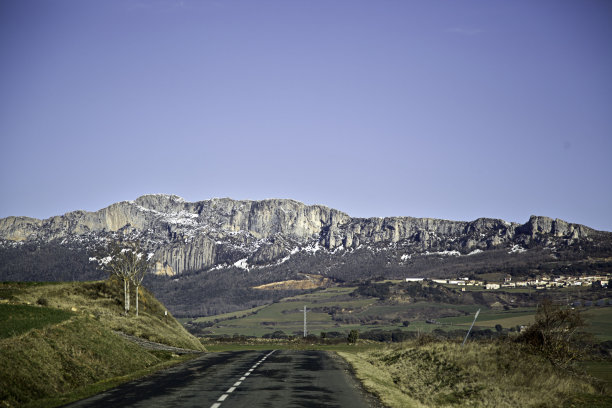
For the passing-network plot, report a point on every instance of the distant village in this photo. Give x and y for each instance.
(538, 283)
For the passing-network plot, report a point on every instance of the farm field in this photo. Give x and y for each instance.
(600, 322)
(288, 316)
(490, 318)
(336, 310)
(224, 316)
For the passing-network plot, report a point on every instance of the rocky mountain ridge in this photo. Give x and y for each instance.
(225, 233)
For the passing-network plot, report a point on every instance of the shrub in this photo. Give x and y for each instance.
(353, 336)
(556, 334)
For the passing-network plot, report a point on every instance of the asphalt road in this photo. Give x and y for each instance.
(277, 378)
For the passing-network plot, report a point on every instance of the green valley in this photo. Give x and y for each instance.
(407, 307)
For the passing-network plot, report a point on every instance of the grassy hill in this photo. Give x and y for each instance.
(58, 340)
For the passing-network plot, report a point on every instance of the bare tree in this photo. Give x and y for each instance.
(127, 261)
(140, 266)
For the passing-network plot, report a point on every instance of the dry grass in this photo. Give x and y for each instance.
(444, 374)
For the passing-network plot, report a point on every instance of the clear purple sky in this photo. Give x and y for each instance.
(442, 109)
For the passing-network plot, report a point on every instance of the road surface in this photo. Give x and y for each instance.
(274, 378)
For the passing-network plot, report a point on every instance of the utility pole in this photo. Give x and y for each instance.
(305, 311)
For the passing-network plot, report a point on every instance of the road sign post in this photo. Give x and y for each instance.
(468, 333)
(305, 330)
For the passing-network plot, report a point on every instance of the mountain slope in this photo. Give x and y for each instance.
(222, 232)
(232, 245)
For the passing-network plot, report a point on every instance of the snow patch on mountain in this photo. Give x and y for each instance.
(242, 264)
(517, 249)
(443, 253)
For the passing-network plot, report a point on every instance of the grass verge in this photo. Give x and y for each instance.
(494, 374)
(106, 384)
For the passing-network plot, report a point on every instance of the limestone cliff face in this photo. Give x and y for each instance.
(185, 236)
(18, 228)
(265, 218)
(192, 256)
(543, 226)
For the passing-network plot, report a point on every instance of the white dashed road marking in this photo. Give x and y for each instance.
(237, 383)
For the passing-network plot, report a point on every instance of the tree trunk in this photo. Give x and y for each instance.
(125, 296)
(128, 297)
(136, 300)
(126, 292)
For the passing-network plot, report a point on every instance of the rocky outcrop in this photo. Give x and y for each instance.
(187, 256)
(18, 228)
(185, 236)
(542, 226)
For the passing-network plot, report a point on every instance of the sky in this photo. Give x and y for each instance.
(440, 109)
